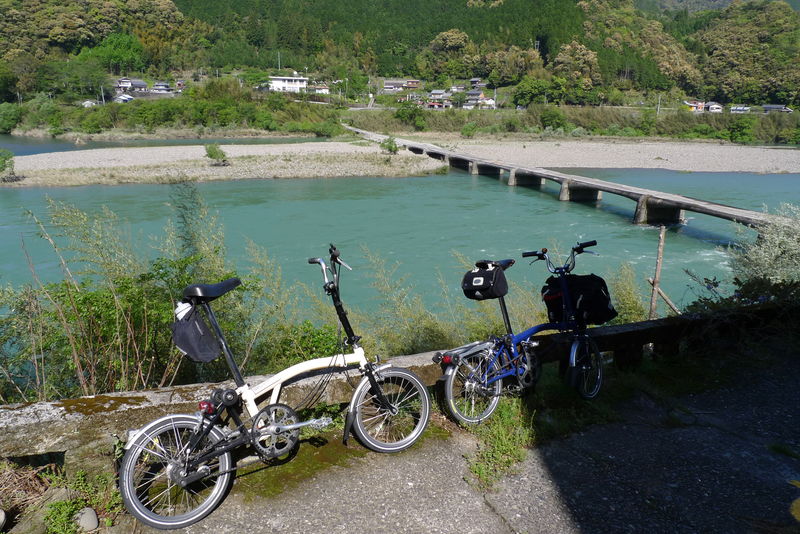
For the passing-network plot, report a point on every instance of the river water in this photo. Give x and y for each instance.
(420, 223)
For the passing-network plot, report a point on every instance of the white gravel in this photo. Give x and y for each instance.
(331, 159)
(678, 156)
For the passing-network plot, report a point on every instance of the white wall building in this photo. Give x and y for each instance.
(288, 84)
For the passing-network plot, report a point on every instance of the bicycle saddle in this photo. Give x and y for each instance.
(209, 292)
(503, 264)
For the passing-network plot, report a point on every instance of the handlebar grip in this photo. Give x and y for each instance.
(313, 261)
(588, 244)
(529, 254)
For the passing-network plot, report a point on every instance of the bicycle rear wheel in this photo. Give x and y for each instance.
(149, 473)
(397, 426)
(587, 375)
(469, 399)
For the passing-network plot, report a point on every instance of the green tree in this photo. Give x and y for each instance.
(119, 53)
(10, 115)
(531, 91)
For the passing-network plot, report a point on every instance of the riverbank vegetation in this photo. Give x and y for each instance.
(106, 325)
(545, 121)
(591, 53)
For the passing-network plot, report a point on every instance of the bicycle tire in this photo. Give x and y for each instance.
(587, 375)
(467, 399)
(377, 427)
(146, 489)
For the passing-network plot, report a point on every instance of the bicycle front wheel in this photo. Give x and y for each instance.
(587, 376)
(153, 464)
(397, 426)
(469, 399)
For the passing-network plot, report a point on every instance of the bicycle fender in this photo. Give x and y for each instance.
(134, 433)
(348, 425)
(573, 353)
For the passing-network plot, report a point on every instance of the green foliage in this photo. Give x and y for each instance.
(553, 118)
(626, 295)
(6, 161)
(389, 145)
(10, 115)
(504, 439)
(99, 493)
(411, 114)
(119, 53)
(214, 152)
(469, 130)
(741, 130)
(775, 255)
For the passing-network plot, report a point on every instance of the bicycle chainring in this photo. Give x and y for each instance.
(267, 439)
(532, 370)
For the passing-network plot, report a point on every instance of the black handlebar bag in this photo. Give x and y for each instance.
(485, 281)
(589, 295)
(193, 337)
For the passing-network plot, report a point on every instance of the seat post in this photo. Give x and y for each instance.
(504, 311)
(237, 374)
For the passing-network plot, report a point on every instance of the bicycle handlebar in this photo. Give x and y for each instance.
(568, 265)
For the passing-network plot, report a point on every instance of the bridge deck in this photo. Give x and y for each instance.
(652, 206)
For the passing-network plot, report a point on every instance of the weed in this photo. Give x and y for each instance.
(99, 493)
(504, 439)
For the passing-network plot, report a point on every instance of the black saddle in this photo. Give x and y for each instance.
(503, 264)
(208, 292)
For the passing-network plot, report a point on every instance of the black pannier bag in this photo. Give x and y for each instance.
(486, 281)
(590, 299)
(193, 337)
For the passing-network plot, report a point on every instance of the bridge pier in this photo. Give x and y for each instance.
(574, 193)
(488, 170)
(653, 211)
(515, 177)
(460, 163)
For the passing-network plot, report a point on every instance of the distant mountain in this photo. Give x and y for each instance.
(693, 5)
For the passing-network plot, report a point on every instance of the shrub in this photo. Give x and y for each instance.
(216, 153)
(6, 162)
(553, 118)
(775, 255)
(741, 130)
(469, 130)
(10, 116)
(389, 145)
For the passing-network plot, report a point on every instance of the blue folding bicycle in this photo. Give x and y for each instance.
(474, 374)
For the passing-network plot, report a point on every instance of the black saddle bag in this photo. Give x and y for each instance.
(590, 299)
(194, 338)
(486, 281)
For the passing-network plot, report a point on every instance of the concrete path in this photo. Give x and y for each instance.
(708, 463)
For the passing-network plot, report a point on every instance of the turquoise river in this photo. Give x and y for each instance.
(422, 224)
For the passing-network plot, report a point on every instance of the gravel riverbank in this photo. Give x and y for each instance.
(333, 159)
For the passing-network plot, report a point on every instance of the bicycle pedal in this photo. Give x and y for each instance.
(320, 423)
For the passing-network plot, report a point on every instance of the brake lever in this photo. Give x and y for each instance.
(340, 262)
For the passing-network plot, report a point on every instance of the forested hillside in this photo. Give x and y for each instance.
(579, 51)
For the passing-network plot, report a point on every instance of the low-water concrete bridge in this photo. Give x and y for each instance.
(652, 207)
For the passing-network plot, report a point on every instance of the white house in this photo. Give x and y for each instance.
(288, 84)
(161, 87)
(126, 85)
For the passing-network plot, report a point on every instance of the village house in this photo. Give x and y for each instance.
(779, 108)
(412, 84)
(288, 84)
(319, 89)
(161, 87)
(127, 85)
(393, 86)
(439, 99)
(713, 107)
(695, 105)
(740, 109)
